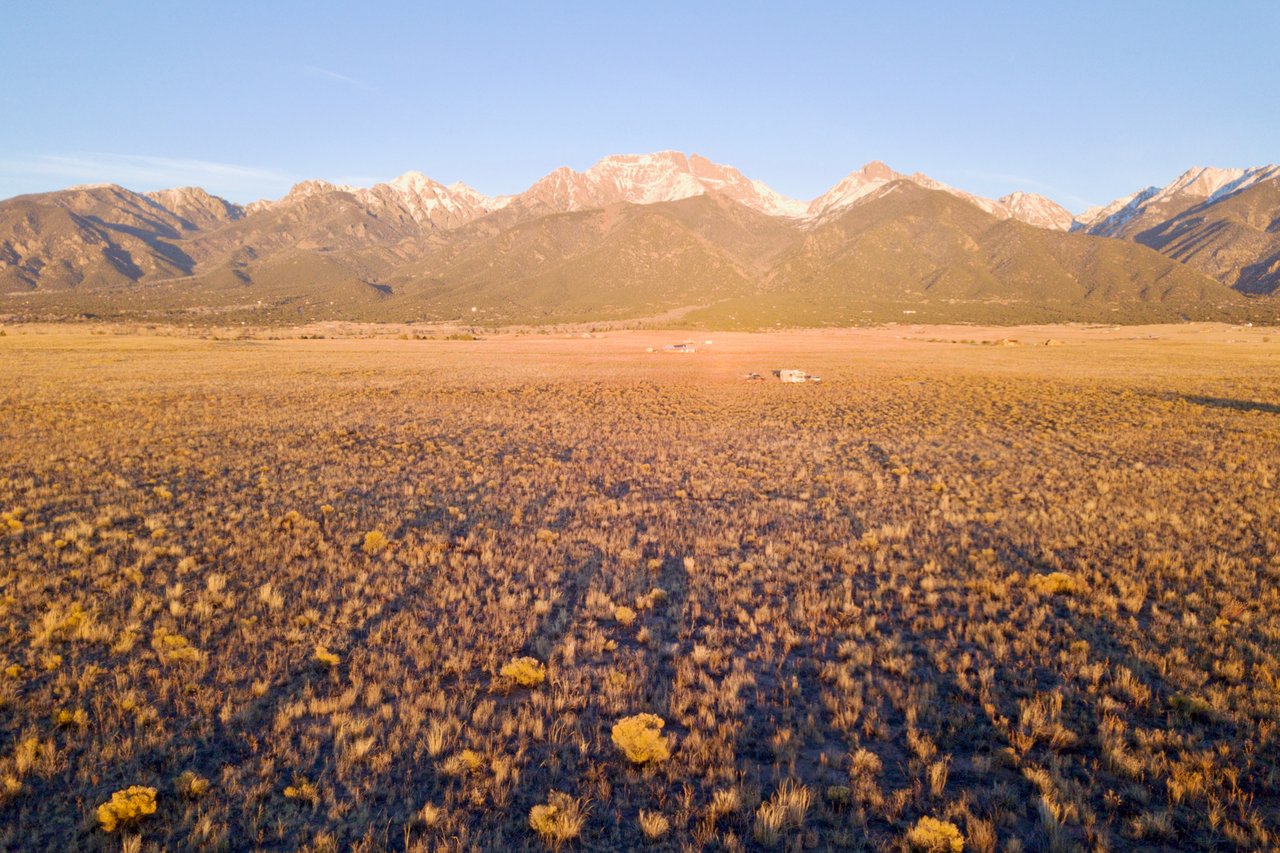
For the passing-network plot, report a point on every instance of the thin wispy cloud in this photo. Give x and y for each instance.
(318, 73)
(141, 171)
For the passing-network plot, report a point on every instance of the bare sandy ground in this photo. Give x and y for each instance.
(1240, 362)
(1028, 335)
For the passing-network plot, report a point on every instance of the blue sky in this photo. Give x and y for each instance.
(1079, 101)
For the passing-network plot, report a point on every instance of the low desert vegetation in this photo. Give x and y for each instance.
(525, 671)
(931, 835)
(127, 808)
(640, 738)
(557, 821)
(422, 595)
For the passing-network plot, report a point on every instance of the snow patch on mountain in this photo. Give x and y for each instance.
(426, 201)
(1250, 177)
(1110, 218)
(411, 196)
(1199, 185)
(986, 204)
(652, 178)
(662, 176)
(853, 188)
(1037, 210)
(1210, 183)
(864, 184)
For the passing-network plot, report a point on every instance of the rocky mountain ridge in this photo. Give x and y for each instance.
(645, 233)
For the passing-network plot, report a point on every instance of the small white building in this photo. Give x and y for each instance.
(792, 375)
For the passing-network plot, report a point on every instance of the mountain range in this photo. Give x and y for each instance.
(649, 235)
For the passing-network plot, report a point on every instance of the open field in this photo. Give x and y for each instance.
(1023, 595)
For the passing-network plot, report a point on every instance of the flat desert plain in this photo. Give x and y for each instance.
(369, 592)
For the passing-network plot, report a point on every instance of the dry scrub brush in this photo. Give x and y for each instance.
(408, 598)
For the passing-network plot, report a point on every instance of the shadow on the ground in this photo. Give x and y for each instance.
(1230, 403)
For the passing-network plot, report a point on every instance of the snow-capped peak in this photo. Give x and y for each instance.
(645, 178)
(414, 183)
(412, 195)
(661, 176)
(1198, 185)
(1037, 210)
(1212, 183)
(1200, 182)
(428, 201)
(864, 183)
(1121, 208)
(657, 177)
(478, 199)
(853, 188)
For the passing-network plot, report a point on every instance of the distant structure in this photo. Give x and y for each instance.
(792, 375)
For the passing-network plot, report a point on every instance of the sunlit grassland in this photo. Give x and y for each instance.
(405, 594)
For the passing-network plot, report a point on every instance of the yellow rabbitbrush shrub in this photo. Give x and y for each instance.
(11, 522)
(640, 739)
(126, 808)
(1056, 583)
(931, 835)
(375, 542)
(526, 671)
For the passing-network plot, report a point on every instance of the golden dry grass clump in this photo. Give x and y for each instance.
(525, 671)
(470, 759)
(1056, 583)
(11, 522)
(375, 542)
(302, 789)
(786, 809)
(174, 648)
(930, 835)
(71, 718)
(559, 820)
(127, 808)
(654, 825)
(640, 738)
(191, 785)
